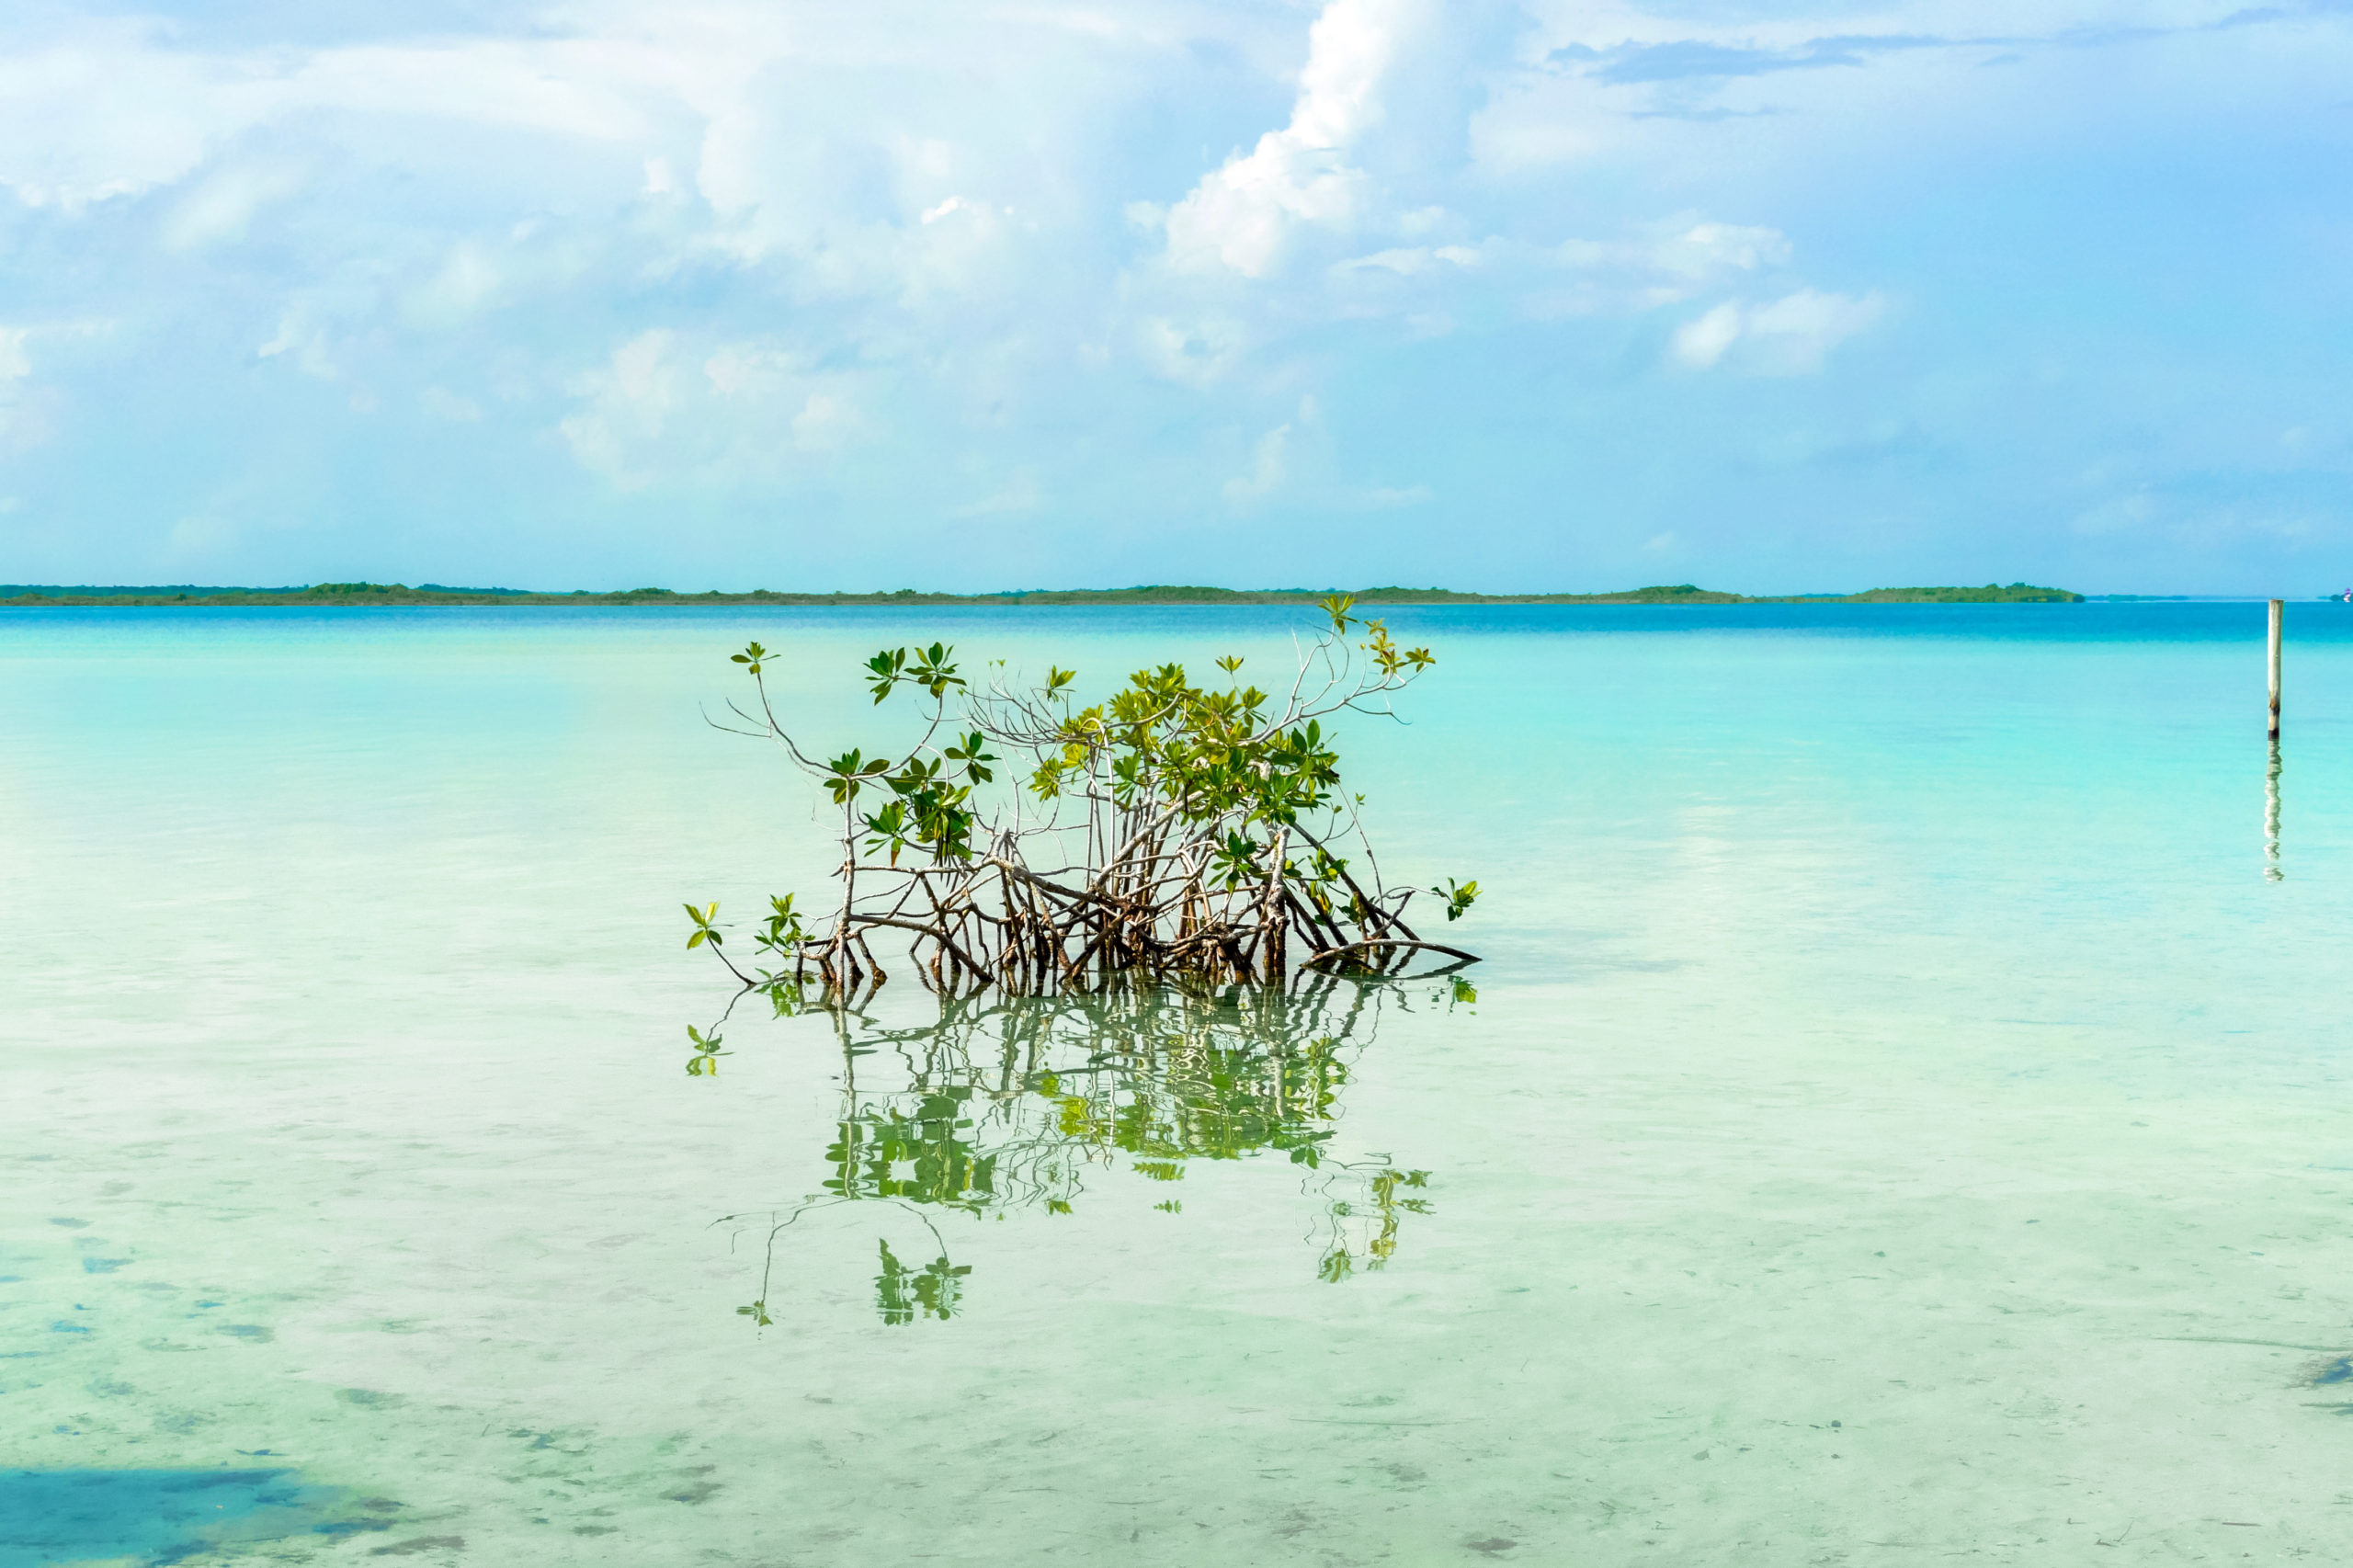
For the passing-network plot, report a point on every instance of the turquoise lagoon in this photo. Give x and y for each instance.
(1903, 1115)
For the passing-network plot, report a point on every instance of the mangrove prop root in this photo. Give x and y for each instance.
(1173, 834)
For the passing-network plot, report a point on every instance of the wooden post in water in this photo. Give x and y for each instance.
(2276, 607)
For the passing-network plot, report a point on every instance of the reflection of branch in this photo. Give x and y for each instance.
(1006, 1102)
(757, 1311)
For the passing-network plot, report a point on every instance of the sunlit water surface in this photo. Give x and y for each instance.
(1903, 1114)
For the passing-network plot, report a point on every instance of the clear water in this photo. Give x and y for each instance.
(1903, 1114)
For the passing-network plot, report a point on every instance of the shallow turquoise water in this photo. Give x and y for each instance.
(1901, 1114)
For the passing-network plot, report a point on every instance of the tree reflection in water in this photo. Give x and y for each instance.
(1015, 1104)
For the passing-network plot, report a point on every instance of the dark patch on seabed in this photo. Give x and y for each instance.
(53, 1518)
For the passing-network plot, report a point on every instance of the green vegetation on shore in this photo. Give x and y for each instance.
(34, 595)
(1991, 594)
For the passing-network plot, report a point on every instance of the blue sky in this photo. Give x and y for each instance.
(1551, 295)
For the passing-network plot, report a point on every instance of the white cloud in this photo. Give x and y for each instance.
(466, 281)
(31, 407)
(1701, 343)
(1705, 250)
(825, 424)
(1414, 261)
(758, 413)
(1658, 264)
(1268, 467)
(223, 206)
(24, 413)
(103, 116)
(1789, 336)
(889, 248)
(301, 335)
(120, 110)
(1652, 266)
(1240, 217)
(738, 370)
(840, 163)
(629, 404)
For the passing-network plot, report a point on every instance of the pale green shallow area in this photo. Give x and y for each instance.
(1898, 1118)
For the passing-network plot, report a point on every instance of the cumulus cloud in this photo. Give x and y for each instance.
(1659, 264)
(824, 424)
(1706, 249)
(1789, 336)
(118, 110)
(627, 405)
(841, 162)
(1413, 261)
(1241, 216)
(468, 278)
(27, 409)
(659, 410)
(1005, 252)
(302, 339)
(105, 115)
(1269, 467)
(223, 204)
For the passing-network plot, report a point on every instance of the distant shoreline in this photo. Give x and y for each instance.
(35, 597)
